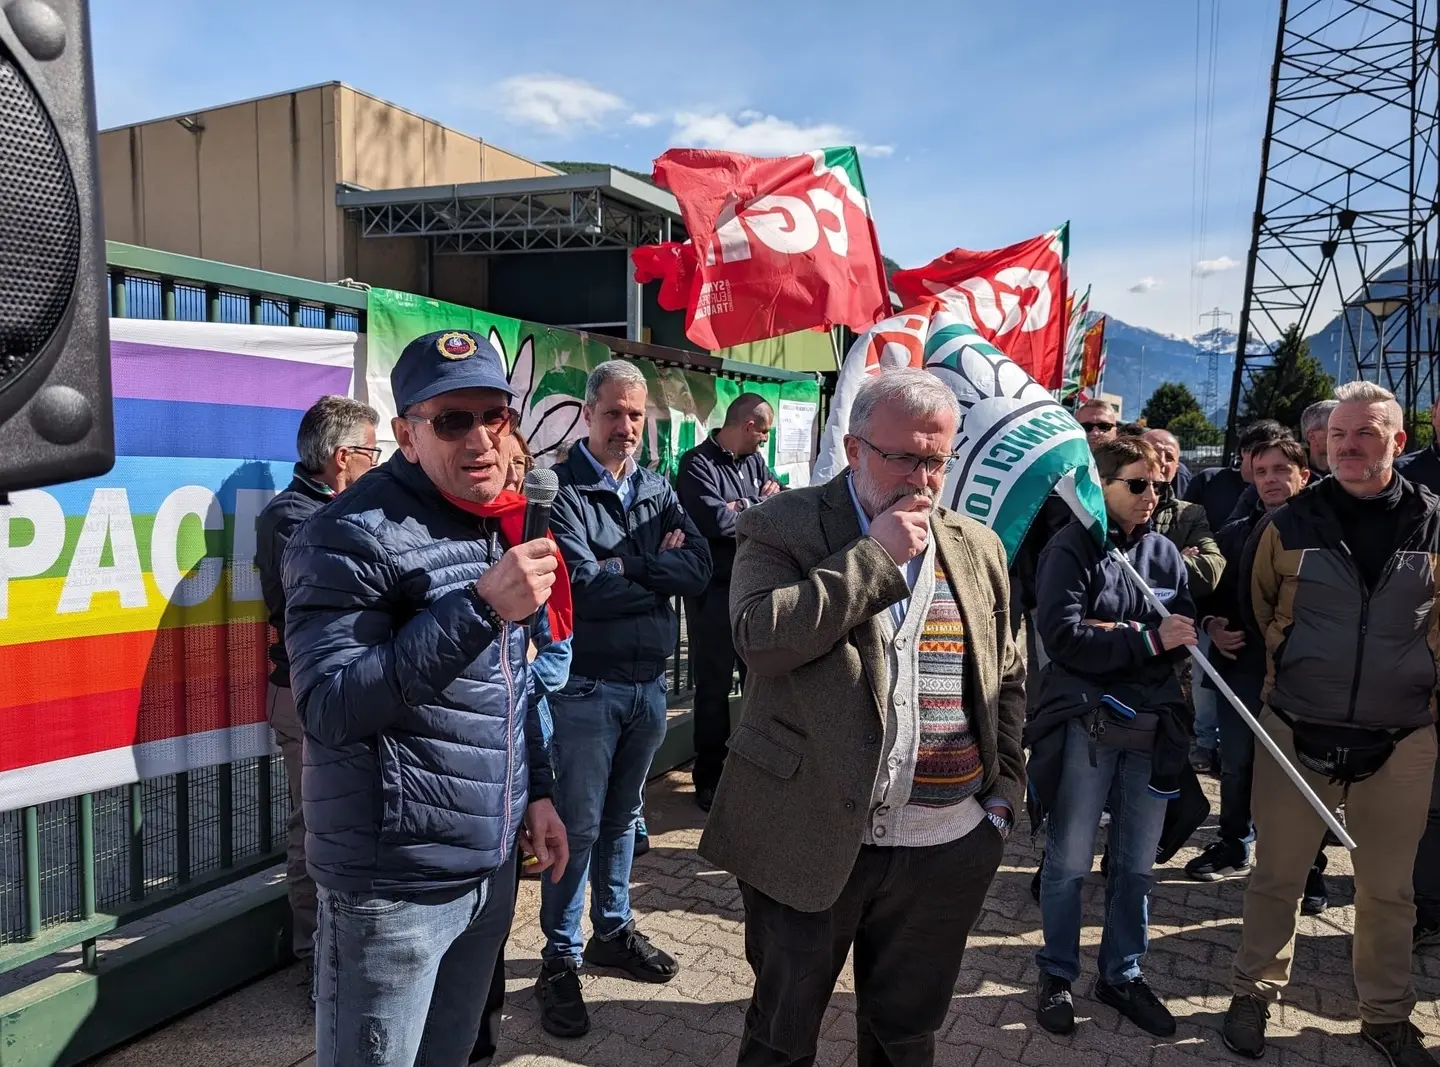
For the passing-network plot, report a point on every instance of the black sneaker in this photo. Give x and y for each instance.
(1400, 1043)
(1427, 931)
(1054, 1007)
(562, 1004)
(704, 797)
(1137, 1002)
(1244, 1030)
(1317, 897)
(630, 951)
(1223, 859)
(1204, 760)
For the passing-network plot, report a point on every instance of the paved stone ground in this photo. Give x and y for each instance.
(694, 911)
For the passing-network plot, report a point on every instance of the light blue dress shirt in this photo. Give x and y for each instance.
(624, 486)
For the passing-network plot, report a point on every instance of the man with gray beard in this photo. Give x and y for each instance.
(877, 768)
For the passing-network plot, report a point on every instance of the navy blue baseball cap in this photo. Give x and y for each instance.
(444, 362)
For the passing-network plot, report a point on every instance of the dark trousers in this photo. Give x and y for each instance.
(908, 912)
(488, 1039)
(1237, 756)
(1427, 860)
(715, 661)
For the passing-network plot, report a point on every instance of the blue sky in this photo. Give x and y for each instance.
(984, 123)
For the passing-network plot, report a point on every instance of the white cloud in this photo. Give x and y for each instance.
(564, 105)
(556, 103)
(1144, 285)
(758, 134)
(1207, 267)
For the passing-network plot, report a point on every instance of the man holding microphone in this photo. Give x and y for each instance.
(408, 601)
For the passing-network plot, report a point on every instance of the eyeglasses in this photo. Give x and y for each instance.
(1097, 427)
(1137, 486)
(455, 425)
(373, 453)
(903, 464)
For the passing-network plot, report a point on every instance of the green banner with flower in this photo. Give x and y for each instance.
(548, 367)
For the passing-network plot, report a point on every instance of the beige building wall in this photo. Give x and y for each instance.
(254, 183)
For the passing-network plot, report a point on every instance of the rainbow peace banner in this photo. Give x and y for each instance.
(132, 630)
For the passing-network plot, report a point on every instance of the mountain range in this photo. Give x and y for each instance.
(1140, 359)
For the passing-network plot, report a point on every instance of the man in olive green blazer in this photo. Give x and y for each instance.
(878, 765)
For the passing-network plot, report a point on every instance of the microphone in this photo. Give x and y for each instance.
(541, 488)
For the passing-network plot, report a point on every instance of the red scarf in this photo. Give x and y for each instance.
(509, 508)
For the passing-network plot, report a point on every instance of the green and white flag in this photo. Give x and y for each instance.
(1016, 444)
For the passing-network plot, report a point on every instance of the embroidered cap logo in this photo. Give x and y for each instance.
(456, 346)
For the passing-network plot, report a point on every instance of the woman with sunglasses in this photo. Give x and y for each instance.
(1110, 728)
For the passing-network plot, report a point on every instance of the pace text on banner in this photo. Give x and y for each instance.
(132, 631)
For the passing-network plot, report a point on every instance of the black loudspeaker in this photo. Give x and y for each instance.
(56, 422)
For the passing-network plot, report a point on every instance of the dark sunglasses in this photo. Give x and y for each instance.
(1097, 427)
(456, 425)
(372, 453)
(1137, 486)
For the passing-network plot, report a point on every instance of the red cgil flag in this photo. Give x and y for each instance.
(776, 245)
(1014, 297)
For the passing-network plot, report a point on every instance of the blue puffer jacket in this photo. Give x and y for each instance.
(422, 731)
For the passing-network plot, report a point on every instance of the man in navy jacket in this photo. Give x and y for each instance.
(406, 626)
(718, 479)
(630, 549)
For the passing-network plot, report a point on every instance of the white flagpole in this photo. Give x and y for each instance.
(1239, 705)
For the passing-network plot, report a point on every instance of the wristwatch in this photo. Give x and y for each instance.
(1000, 823)
(613, 565)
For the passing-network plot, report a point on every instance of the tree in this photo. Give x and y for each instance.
(1291, 383)
(1422, 432)
(1192, 429)
(1168, 403)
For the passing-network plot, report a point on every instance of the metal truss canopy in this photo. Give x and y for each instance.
(594, 210)
(1349, 184)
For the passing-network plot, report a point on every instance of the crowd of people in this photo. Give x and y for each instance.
(458, 705)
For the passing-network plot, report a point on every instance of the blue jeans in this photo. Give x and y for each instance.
(606, 734)
(1237, 759)
(1207, 704)
(402, 981)
(1137, 818)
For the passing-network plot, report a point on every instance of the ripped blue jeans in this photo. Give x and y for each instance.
(402, 981)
